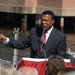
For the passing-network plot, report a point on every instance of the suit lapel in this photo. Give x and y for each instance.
(51, 38)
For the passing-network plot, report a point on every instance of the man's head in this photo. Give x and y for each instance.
(47, 19)
(54, 65)
(7, 68)
(27, 71)
(67, 71)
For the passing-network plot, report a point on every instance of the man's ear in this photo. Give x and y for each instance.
(53, 21)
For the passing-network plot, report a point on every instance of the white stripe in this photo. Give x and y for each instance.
(38, 60)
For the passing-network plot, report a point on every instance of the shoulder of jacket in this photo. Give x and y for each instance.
(59, 32)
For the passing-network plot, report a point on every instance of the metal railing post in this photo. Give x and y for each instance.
(15, 53)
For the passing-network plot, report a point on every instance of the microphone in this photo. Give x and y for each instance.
(41, 42)
(43, 50)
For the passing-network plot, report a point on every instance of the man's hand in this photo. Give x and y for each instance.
(3, 38)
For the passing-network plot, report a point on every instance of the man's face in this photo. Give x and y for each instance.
(46, 22)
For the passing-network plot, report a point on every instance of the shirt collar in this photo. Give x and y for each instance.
(49, 31)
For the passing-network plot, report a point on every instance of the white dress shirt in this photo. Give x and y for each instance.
(48, 33)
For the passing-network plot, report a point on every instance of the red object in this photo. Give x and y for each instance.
(43, 38)
(39, 64)
(69, 65)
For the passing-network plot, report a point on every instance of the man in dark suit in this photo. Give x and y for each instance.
(55, 43)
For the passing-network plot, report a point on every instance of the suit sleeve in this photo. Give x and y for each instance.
(19, 44)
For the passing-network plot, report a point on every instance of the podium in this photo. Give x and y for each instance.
(39, 64)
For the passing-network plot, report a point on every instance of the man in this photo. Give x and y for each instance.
(54, 64)
(7, 68)
(54, 42)
(26, 70)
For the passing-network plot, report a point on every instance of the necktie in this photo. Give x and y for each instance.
(43, 39)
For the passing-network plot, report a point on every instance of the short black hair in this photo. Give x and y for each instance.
(48, 12)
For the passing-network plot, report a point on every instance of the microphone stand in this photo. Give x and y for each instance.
(44, 53)
(43, 50)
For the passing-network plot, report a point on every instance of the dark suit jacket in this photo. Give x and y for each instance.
(55, 45)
